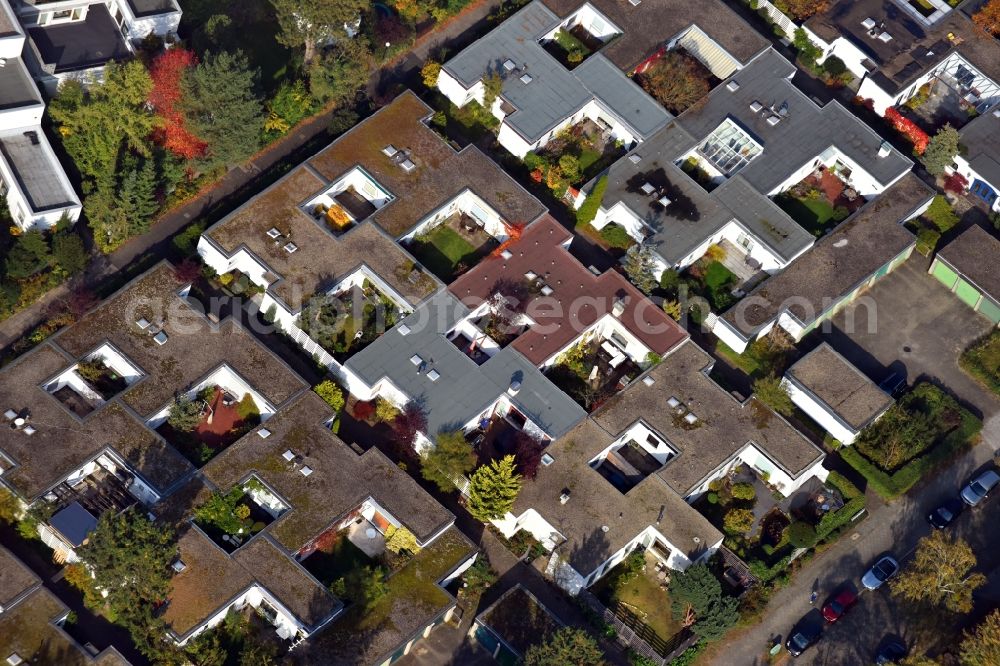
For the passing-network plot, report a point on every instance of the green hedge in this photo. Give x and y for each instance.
(891, 486)
(764, 573)
(586, 213)
(981, 360)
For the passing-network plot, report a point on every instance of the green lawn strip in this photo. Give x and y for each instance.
(813, 215)
(718, 276)
(982, 361)
(745, 361)
(588, 158)
(339, 561)
(570, 43)
(442, 250)
(891, 486)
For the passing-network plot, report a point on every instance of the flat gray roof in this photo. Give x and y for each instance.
(79, 45)
(694, 214)
(152, 7)
(463, 389)
(836, 383)
(981, 139)
(16, 87)
(803, 133)
(974, 254)
(838, 262)
(36, 168)
(554, 92)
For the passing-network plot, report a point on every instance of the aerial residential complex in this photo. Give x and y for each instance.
(663, 345)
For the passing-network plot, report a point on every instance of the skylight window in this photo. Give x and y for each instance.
(634, 158)
(509, 65)
(273, 233)
(416, 360)
(647, 188)
(389, 150)
(408, 165)
(433, 375)
(729, 148)
(404, 329)
(290, 247)
(526, 79)
(160, 338)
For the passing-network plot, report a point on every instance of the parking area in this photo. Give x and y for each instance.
(878, 616)
(909, 323)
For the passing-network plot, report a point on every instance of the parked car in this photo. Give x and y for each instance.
(803, 634)
(943, 516)
(890, 653)
(881, 571)
(979, 488)
(893, 384)
(839, 604)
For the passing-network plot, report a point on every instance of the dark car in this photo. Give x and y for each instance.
(802, 636)
(943, 516)
(839, 604)
(891, 652)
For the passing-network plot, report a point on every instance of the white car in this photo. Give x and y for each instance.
(881, 571)
(979, 488)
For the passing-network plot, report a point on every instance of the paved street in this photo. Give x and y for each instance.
(921, 329)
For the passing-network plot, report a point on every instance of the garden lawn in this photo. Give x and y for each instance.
(982, 361)
(570, 43)
(442, 250)
(336, 561)
(643, 597)
(813, 215)
(588, 158)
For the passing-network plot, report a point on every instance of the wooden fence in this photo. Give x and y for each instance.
(633, 633)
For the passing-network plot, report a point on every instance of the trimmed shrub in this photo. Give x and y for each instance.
(738, 521)
(363, 410)
(834, 66)
(981, 361)
(744, 491)
(331, 394)
(616, 236)
(801, 534)
(588, 210)
(927, 240)
(713, 498)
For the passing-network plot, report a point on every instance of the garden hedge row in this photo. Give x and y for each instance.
(973, 362)
(854, 501)
(588, 210)
(891, 486)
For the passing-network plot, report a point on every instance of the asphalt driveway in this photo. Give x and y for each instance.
(909, 322)
(916, 327)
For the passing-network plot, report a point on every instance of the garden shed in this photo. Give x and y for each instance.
(967, 266)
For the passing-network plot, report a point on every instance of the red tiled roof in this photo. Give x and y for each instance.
(578, 298)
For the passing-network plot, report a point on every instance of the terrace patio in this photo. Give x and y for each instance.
(936, 104)
(821, 200)
(368, 538)
(594, 373)
(453, 246)
(590, 143)
(344, 323)
(220, 424)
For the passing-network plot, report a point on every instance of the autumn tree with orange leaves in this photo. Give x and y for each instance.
(167, 71)
(988, 17)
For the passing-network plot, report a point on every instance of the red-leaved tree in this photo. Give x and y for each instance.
(956, 183)
(909, 129)
(528, 454)
(167, 70)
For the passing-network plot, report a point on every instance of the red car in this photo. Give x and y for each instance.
(839, 604)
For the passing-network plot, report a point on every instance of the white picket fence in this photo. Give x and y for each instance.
(775, 14)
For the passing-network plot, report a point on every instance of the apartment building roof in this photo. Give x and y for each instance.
(553, 93)
(725, 426)
(8, 22)
(322, 258)
(981, 139)
(80, 45)
(439, 175)
(413, 600)
(594, 504)
(914, 47)
(838, 262)
(648, 25)
(577, 298)
(974, 254)
(194, 346)
(694, 214)
(29, 629)
(36, 169)
(16, 87)
(462, 390)
(341, 480)
(62, 442)
(844, 389)
(143, 8)
(802, 133)
(16, 580)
